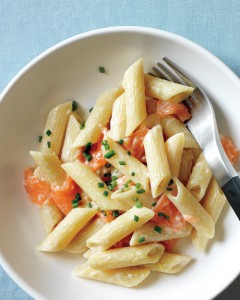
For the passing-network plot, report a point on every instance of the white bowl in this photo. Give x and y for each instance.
(69, 70)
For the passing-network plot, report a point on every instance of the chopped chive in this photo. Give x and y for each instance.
(133, 173)
(157, 229)
(108, 165)
(139, 205)
(107, 175)
(82, 125)
(135, 199)
(122, 190)
(136, 218)
(122, 163)
(98, 209)
(126, 185)
(154, 204)
(170, 182)
(110, 187)
(110, 154)
(39, 138)
(77, 196)
(105, 144)
(161, 214)
(48, 132)
(115, 213)
(89, 204)
(100, 184)
(102, 69)
(90, 110)
(87, 156)
(105, 193)
(138, 185)
(121, 141)
(49, 144)
(74, 105)
(129, 181)
(169, 189)
(129, 153)
(75, 201)
(88, 146)
(114, 178)
(114, 184)
(74, 205)
(141, 239)
(104, 213)
(140, 191)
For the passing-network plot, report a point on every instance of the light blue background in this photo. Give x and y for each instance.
(28, 27)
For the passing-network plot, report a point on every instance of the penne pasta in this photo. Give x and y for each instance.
(127, 277)
(78, 244)
(98, 118)
(191, 209)
(131, 164)
(170, 263)
(151, 235)
(50, 166)
(172, 125)
(133, 83)
(185, 169)
(166, 90)
(174, 149)
(213, 202)
(55, 127)
(151, 121)
(89, 182)
(118, 121)
(157, 163)
(131, 197)
(65, 231)
(200, 178)
(113, 232)
(126, 257)
(69, 153)
(50, 215)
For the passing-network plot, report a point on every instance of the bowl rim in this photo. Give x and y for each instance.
(96, 32)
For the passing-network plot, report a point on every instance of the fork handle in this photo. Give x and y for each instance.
(231, 190)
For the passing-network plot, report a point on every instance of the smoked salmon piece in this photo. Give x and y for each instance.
(164, 108)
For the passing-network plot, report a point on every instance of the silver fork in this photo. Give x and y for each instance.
(203, 127)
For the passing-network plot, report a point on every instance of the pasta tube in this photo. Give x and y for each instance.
(127, 277)
(78, 244)
(126, 257)
(170, 263)
(118, 120)
(98, 118)
(93, 186)
(200, 178)
(113, 232)
(133, 83)
(166, 90)
(130, 197)
(174, 149)
(50, 215)
(157, 163)
(65, 231)
(69, 153)
(191, 209)
(213, 202)
(54, 131)
(50, 166)
(153, 233)
(172, 125)
(151, 121)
